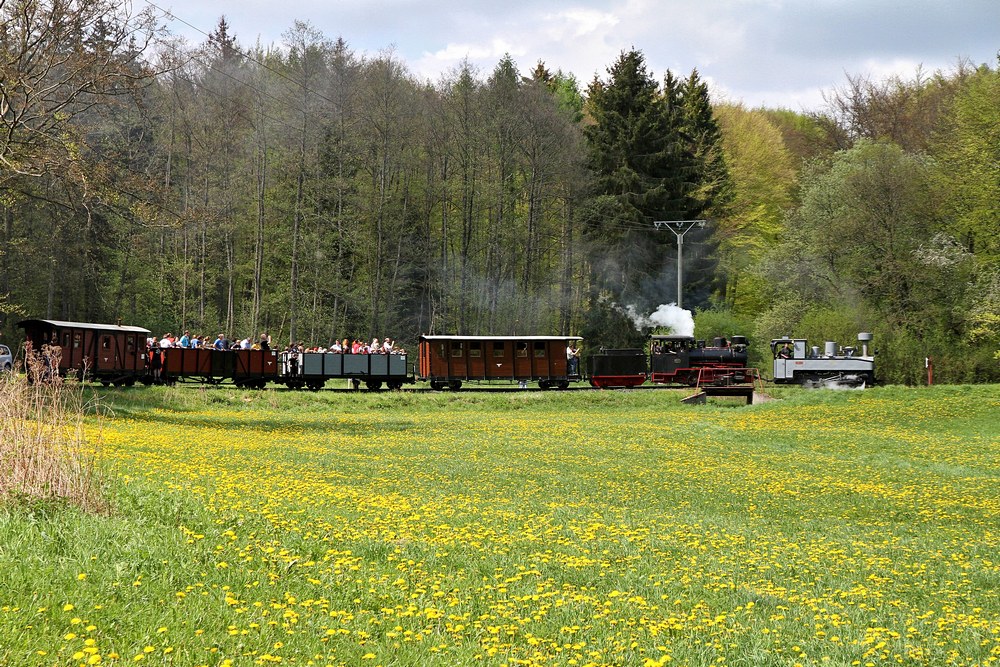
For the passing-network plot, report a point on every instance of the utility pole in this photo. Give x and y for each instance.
(679, 228)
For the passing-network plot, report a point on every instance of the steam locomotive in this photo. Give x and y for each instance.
(673, 360)
(797, 363)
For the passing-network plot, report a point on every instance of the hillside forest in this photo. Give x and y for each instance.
(313, 192)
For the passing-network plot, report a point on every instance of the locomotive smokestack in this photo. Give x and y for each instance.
(864, 338)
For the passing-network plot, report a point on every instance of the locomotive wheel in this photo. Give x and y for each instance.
(455, 385)
(373, 385)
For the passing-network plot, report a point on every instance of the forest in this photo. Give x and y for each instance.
(313, 192)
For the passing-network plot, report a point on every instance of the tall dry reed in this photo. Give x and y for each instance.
(44, 452)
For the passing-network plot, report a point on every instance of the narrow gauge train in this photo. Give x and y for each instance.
(796, 363)
(115, 354)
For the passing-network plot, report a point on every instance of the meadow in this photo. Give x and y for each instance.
(519, 528)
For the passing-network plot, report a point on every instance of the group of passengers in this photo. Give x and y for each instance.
(222, 343)
(198, 341)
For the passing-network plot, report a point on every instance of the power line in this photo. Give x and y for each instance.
(168, 14)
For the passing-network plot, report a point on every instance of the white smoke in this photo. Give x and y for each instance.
(678, 320)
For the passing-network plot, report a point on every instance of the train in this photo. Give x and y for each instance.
(118, 355)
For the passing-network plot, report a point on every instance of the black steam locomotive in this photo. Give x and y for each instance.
(673, 360)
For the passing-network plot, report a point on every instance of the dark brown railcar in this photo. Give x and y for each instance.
(244, 368)
(451, 360)
(107, 353)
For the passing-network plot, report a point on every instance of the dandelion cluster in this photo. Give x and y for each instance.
(551, 531)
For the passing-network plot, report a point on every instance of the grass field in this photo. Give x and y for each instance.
(556, 528)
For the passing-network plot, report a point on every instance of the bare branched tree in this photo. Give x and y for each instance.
(58, 60)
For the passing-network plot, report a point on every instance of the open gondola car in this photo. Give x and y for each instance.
(448, 361)
(315, 368)
(107, 353)
(244, 368)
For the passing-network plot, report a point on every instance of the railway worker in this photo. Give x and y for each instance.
(293, 359)
(785, 352)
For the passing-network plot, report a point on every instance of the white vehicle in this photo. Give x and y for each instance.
(6, 358)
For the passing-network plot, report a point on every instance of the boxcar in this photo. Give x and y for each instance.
(448, 361)
(107, 353)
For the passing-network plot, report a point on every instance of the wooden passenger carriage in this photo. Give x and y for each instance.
(451, 360)
(107, 353)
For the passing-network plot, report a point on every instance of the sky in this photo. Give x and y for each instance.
(774, 53)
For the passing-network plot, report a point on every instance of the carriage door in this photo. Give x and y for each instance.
(107, 352)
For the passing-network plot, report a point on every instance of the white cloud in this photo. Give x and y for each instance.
(774, 52)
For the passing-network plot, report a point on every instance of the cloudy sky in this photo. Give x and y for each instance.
(762, 52)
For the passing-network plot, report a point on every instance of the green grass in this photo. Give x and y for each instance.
(616, 528)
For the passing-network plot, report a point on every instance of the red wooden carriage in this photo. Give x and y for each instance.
(451, 360)
(107, 353)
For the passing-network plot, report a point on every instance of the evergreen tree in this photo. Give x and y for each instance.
(643, 171)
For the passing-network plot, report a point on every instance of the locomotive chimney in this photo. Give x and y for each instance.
(864, 338)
